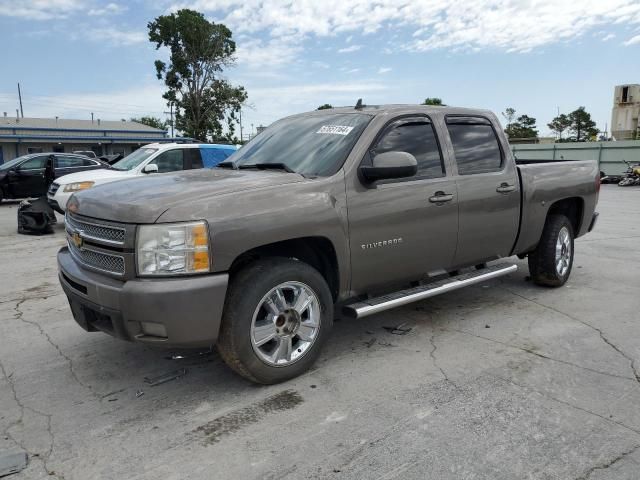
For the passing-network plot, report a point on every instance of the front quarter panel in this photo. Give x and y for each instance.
(241, 221)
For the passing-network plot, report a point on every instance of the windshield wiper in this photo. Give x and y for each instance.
(268, 166)
(230, 165)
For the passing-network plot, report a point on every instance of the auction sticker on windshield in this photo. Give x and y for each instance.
(335, 129)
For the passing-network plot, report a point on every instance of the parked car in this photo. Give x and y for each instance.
(26, 176)
(360, 209)
(86, 153)
(152, 158)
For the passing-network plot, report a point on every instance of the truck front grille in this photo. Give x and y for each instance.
(98, 260)
(109, 234)
(98, 245)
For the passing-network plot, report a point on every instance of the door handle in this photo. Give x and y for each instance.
(441, 197)
(505, 188)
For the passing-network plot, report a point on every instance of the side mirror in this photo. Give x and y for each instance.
(150, 168)
(390, 165)
(14, 172)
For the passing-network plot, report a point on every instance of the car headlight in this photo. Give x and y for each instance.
(173, 249)
(77, 186)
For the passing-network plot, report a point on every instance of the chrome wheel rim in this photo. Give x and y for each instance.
(563, 251)
(285, 324)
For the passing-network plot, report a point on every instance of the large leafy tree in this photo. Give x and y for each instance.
(559, 124)
(206, 104)
(523, 127)
(152, 122)
(582, 127)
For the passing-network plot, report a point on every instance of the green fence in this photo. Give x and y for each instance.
(610, 155)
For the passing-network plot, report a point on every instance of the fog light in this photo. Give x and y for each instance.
(154, 329)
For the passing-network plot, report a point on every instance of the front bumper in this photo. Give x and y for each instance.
(189, 309)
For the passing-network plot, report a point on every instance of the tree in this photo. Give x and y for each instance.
(325, 106)
(199, 52)
(523, 127)
(559, 124)
(433, 101)
(582, 127)
(152, 122)
(509, 114)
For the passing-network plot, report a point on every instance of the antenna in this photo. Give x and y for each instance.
(20, 98)
(359, 104)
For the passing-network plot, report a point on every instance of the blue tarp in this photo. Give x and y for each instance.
(213, 154)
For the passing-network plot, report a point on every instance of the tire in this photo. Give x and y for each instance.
(249, 318)
(551, 262)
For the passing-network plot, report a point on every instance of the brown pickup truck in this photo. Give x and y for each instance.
(358, 209)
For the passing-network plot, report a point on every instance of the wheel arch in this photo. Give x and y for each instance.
(316, 251)
(572, 208)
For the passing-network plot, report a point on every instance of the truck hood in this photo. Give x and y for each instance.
(144, 199)
(98, 176)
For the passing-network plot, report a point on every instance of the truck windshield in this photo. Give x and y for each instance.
(134, 159)
(315, 145)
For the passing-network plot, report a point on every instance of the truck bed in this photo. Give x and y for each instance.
(544, 182)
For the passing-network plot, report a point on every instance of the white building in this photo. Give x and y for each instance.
(626, 109)
(21, 135)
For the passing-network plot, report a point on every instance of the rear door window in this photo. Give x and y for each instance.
(417, 137)
(170, 161)
(475, 145)
(63, 161)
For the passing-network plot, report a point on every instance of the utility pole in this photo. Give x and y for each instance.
(91, 117)
(170, 112)
(241, 139)
(20, 99)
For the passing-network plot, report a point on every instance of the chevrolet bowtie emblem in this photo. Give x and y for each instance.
(77, 239)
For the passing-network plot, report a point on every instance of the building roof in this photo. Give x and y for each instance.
(71, 124)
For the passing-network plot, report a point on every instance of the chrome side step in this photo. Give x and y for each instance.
(404, 297)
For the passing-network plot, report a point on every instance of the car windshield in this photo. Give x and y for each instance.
(134, 159)
(314, 145)
(13, 163)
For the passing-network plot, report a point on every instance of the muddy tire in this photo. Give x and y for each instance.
(278, 314)
(551, 262)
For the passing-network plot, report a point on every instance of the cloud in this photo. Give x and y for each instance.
(39, 9)
(507, 25)
(108, 9)
(257, 53)
(383, 70)
(115, 37)
(352, 48)
(633, 41)
(608, 37)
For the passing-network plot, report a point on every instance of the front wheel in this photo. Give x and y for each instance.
(550, 263)
(278, 314)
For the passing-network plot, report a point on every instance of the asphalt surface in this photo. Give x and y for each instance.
(504, 380)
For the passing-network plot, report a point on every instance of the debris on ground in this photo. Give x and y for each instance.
(370, 343)
(165, 377)
(401, 329)
(139, 393)
(487, 326)
(186, 356)
(12, 462)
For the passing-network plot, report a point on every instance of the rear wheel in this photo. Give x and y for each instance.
(278, 313)
(550, 263)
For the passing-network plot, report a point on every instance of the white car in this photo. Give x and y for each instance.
(152, 158)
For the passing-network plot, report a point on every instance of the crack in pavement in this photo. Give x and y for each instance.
(540, 355)
(19, 315)
(564, 402)
(606, 465)
(7, 431)
(604, 338)
(432, 354)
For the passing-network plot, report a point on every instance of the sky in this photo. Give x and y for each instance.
(74, 57)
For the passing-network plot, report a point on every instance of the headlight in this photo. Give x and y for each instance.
(173, 249)
(76, 187)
